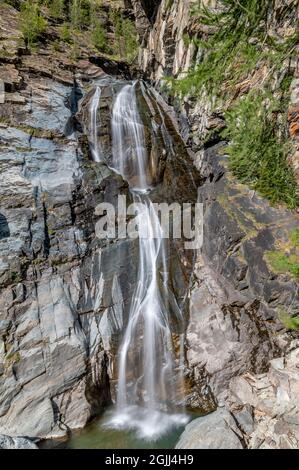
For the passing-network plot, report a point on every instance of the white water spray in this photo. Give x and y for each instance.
(149, 379)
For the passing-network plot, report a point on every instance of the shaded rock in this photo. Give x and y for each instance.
(236, 297)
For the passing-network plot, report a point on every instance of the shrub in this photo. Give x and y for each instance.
(80, 13)
(32, 23)
(66, 33)
(125, 36)
(294, 237)
(56, 8)
(99, 37)
(257, 154)
(238, 44)
(282, 262)
(290, 323)
(130, 39)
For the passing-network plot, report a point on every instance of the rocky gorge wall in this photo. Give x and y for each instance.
(63, 293)
(237, 296)
(61, 300)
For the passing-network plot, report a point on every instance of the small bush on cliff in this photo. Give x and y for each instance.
(285, 259)
(282, 263)
(126, 44)
(66, 33)
(294, 238)
(257, 153)
(32, 22)
(56, 8)
(234, 56)
(99, 37)
(80, 13)
(290, 323)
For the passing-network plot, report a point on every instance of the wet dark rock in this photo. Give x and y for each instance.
(4, 228)
(112, 67)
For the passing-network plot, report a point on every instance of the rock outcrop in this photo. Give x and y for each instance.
(237, 295)
(217, 430)
(266, 406)
(7, 442)
(65, 293)
(60, 307)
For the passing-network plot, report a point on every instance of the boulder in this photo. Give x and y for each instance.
(217, 430)
(7, 442)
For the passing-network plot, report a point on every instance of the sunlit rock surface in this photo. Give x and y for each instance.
(217, 430)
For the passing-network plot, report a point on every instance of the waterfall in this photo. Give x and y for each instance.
(94, 123)
(149, 379)
(128, 140)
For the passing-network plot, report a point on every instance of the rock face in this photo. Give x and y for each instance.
(60, 303)
(217, 430)
(64, 292)
(7, 442)
(53, 363)
(266, 406)
(236, 297)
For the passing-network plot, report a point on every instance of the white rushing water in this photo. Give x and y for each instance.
(95, 148)
(128, 140)
(149, 377)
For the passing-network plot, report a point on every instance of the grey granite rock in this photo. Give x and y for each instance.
(217, 430)
(7, 442)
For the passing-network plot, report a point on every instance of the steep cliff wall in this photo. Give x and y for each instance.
(238, 294)
(64, 293)
(61, 295)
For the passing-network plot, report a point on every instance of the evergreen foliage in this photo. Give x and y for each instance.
(32, 22)
(237, 46)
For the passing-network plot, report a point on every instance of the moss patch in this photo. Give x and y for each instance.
(12, 358)
(290, 323)
(286, 260)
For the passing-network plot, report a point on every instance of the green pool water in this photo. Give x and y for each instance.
(97, 436)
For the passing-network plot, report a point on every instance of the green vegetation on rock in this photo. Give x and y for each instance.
(239, 65)
(99, 37)
(32, 22)
(80, 23)
(125, 36)
(286, 259)
(12, 358)
(56, 8)
(290, 323)
(282, 263)
(257, 152)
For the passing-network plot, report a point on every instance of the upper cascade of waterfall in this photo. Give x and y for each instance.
(129, 152)
(150, 381)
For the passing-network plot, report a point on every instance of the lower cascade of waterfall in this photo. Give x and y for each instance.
(150, 376)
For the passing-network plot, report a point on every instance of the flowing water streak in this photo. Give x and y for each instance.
(94, 124)
(147, 380)
(128, 140)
